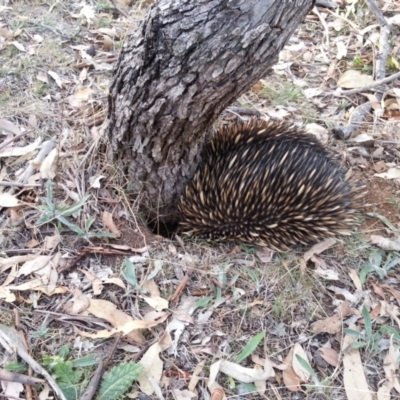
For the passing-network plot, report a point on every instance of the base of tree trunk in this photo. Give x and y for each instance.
(177, 72)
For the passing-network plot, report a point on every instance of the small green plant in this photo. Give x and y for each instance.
(343, 104)
(117, 382)
(72, 376)
(320, 386)
(129, 273)
(55, 212)
(41, 333)
(250, 347)
(377, 264)
(358, 61)
(16, 367)
(255, 277)
(369, 340)
(278, 308)
(394, 201)
(365, 339)
(284, 96)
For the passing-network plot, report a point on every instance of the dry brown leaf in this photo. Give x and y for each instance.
(385, 243)
(33, 284)
(290, 378)
(94, 280)
(8, 126)
(391, 173)
(6, 263)
(115, 281)
(264, 254)
(184, 394)
(57, 290)
(117, 318)
(32, 243)
(378, 290)
(108, 43)
(354, 380)
(394, 292)
(48, 166)
(80, 98)
(8, 200)
(78, 304)
(95, 181)
(19, 46)
(356, 280)
(329, 325)
(50, 242)
(152, 366)
(157, 302)
(60, 82)
(20, 151)
(376, 311)
(300, 371)
(319, 131)
(34, 265)
(109, 223)
(7, 295)
(195, 375)
(319, 248)
(125, 247)
(6, 33)
(330, 355)
(384, 392)
(42, 77)
(354, 79)
(391, 365)
(242, 374)
(341, 50)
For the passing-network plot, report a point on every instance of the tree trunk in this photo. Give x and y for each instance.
(177, 72)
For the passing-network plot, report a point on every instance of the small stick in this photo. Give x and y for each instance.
(28, 389)
(94, 383)
(180, 288)
(7, 142)
(20, 185)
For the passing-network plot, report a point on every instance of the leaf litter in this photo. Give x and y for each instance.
(243, 324)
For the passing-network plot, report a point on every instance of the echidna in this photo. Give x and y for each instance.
(270, 184)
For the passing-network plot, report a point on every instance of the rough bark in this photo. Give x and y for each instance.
(188, 60)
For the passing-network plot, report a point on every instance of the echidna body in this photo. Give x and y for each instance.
(270, 184)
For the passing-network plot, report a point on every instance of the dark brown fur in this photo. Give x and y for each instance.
(270, 184)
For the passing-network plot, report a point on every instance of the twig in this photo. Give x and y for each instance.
(324, 24)
(28, 388)
(377, 12)
(379, 74)
(20, 378)
(351, 23)
(6, 340)
(7, 142)
(357, 117)
(94, 382)
(180, 288)
(371, 85)
(20, 185)
(144, 349)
